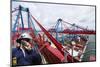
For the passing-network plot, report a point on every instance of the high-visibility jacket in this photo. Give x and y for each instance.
(31, 57)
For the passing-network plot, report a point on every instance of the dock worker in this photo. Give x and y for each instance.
(25, 54)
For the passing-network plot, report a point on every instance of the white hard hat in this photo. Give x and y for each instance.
(24, 36)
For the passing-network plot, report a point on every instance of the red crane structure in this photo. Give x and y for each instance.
(69, 31)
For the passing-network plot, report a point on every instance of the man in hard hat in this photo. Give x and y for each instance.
(25, 54)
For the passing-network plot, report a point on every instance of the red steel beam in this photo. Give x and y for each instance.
(79, 32)
(68, 31)
(56, 43)
(52, 55)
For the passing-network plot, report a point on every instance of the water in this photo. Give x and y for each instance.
(91, 48)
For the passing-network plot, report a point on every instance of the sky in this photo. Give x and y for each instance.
(47, 14)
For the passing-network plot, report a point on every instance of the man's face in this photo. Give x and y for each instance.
(27, 45)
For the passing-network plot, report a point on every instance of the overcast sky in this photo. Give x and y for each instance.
(47, 14)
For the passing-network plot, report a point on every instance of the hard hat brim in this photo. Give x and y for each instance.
(20, 39)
